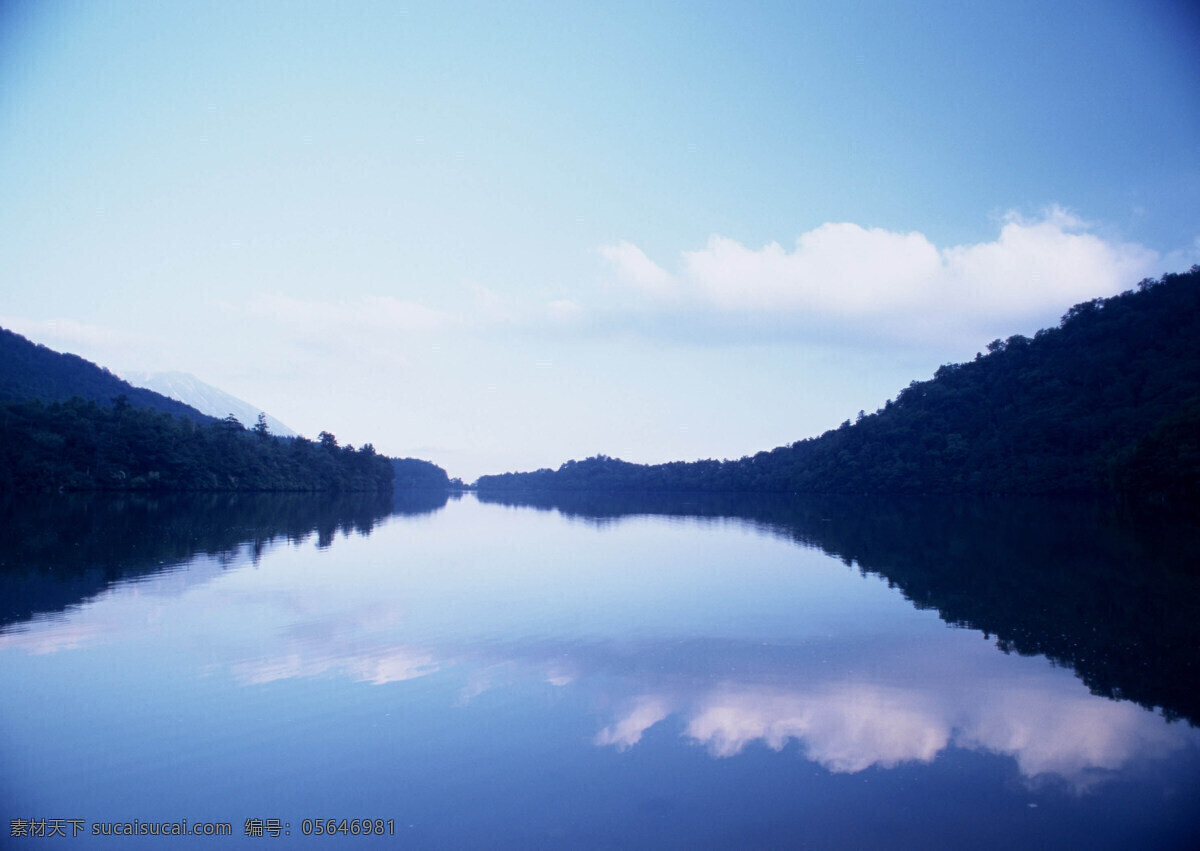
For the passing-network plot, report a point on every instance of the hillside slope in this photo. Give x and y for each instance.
(78, 445)
(32, 371)
(67, 424)
(1106, 401)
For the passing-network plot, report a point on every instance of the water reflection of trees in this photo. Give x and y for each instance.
(56, 551)
(1109, 591)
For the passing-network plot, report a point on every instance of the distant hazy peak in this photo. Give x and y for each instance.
(204, 397)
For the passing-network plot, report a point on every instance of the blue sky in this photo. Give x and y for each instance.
(501, 236)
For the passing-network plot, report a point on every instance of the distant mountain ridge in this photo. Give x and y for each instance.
(29, 370)
(205, 398)
(1108, 401)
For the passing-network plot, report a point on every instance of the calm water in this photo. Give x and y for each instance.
(601, 673)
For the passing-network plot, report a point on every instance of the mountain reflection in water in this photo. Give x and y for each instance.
(697, 622)
(1111, 591)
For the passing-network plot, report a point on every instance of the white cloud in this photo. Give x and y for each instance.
(844, 276)
(848, 726)
(634, 267)
(1068, 735)
(1046, 263)
(845, 728)
(627, 732)
(837, 268)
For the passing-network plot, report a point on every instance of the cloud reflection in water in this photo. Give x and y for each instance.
(1049, 725)
(849, 703)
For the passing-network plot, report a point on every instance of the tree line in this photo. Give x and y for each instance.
(79, 445)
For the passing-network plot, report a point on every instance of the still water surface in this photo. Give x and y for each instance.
(605, 673)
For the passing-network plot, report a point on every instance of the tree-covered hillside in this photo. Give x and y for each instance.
(1108, 400)
(32, 371)
(68, 424)
(415, 474)
(78, 445)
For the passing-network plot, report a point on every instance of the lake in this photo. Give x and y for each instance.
(598, 672)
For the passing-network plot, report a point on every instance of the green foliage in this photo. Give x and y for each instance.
(1097, 402)
(78, 445)
(67, 424)
(1166, 462)
(415, 474)
(261, 428)
(31, 371)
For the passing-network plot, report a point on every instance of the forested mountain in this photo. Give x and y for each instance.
(78, 445)
(1108, 400)
(32, 371)
(67, 424)
(415, 474)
